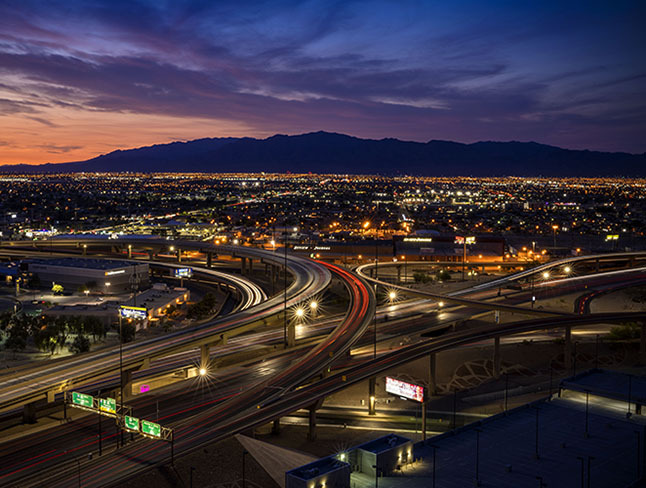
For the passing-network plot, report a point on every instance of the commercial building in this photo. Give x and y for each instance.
(591, 434)
(102, 275)
(158, 299)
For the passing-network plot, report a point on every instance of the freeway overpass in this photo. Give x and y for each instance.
(45, 381)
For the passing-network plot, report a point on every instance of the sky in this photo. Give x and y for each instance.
(83, 78)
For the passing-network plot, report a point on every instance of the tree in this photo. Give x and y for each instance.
(80, 344)
(34, 281)
(127, 332)
(57, 289)
(442, 275)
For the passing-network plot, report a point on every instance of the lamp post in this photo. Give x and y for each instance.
(285, 293)
(555, 227)
(244, 479)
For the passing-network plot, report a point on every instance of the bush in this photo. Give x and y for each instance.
(627, 331)
(442, 275)
(80, 344)
(420, 277)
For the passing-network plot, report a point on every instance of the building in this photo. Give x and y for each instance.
(591, 434)
(102, 275)
(158, 299)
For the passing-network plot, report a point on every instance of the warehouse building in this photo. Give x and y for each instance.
(107, 276)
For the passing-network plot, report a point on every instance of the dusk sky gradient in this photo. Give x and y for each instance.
(81, 78)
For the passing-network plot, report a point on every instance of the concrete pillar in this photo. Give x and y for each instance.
(242, 265)
(250, 265)
(209, 259)
(291, 334)
(223, 340)
(399, 274)
(567, 350)
(179, 255)
(432, 374)
(311, 434)
(275, 427)
(151, 255)
(496, 357)
(126, 378)
(204, 355)
(372, 399)
(84, 249)
(29, 413)
(423, 421)
(129, 251)
(596, 265)
(642, 344)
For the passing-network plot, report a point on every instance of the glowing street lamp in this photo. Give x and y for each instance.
(392, 295)
(546, 274)
(203, 371)
(300, 312)
(567, 270)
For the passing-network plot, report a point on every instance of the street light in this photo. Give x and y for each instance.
(555, 227)
(546, 274)
(567, 270)
(392, 295)
(203, 371)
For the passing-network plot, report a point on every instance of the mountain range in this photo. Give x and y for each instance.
(325, 152)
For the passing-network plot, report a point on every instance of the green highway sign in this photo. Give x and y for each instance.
(150, 428)
(131, 423)
(82, 399)
(108, 405)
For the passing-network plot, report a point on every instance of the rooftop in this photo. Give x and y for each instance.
(610, 384)
(384, 443)
(317, 468)
(87, 263)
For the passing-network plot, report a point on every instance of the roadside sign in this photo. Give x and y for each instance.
(108, 405)
(82, 399)
(131, 423)
(405, 390)
(183, 272)
(150, 428)
(139, 313)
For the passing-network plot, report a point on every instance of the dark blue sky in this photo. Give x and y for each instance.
(79, 78)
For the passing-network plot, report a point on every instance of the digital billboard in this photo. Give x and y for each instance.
(405, 390)
(183, 272)
(139, 313)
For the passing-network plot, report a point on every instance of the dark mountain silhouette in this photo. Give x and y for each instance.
(325, 152)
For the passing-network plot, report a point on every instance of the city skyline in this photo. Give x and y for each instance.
(81, 79)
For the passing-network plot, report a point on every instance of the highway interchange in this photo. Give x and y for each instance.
(236, 399)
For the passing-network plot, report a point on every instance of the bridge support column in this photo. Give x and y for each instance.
(496, 357)
(596, 265)
(179, 255)
(84, 249)
(432, 374)
(275, 427)
(399, 274)
(204, 356)
(250, 265)
(209, 259)
(29, 413)
(243, 261)
(311, 433)
(424, 420)
(642, 344)
(291, 335)
(129, 251)
(372, 399)
(567, 351)
(126, 378)
(151, 255)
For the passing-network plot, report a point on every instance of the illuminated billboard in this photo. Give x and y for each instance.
(183, 272)
(139, 313)
(405, 390)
